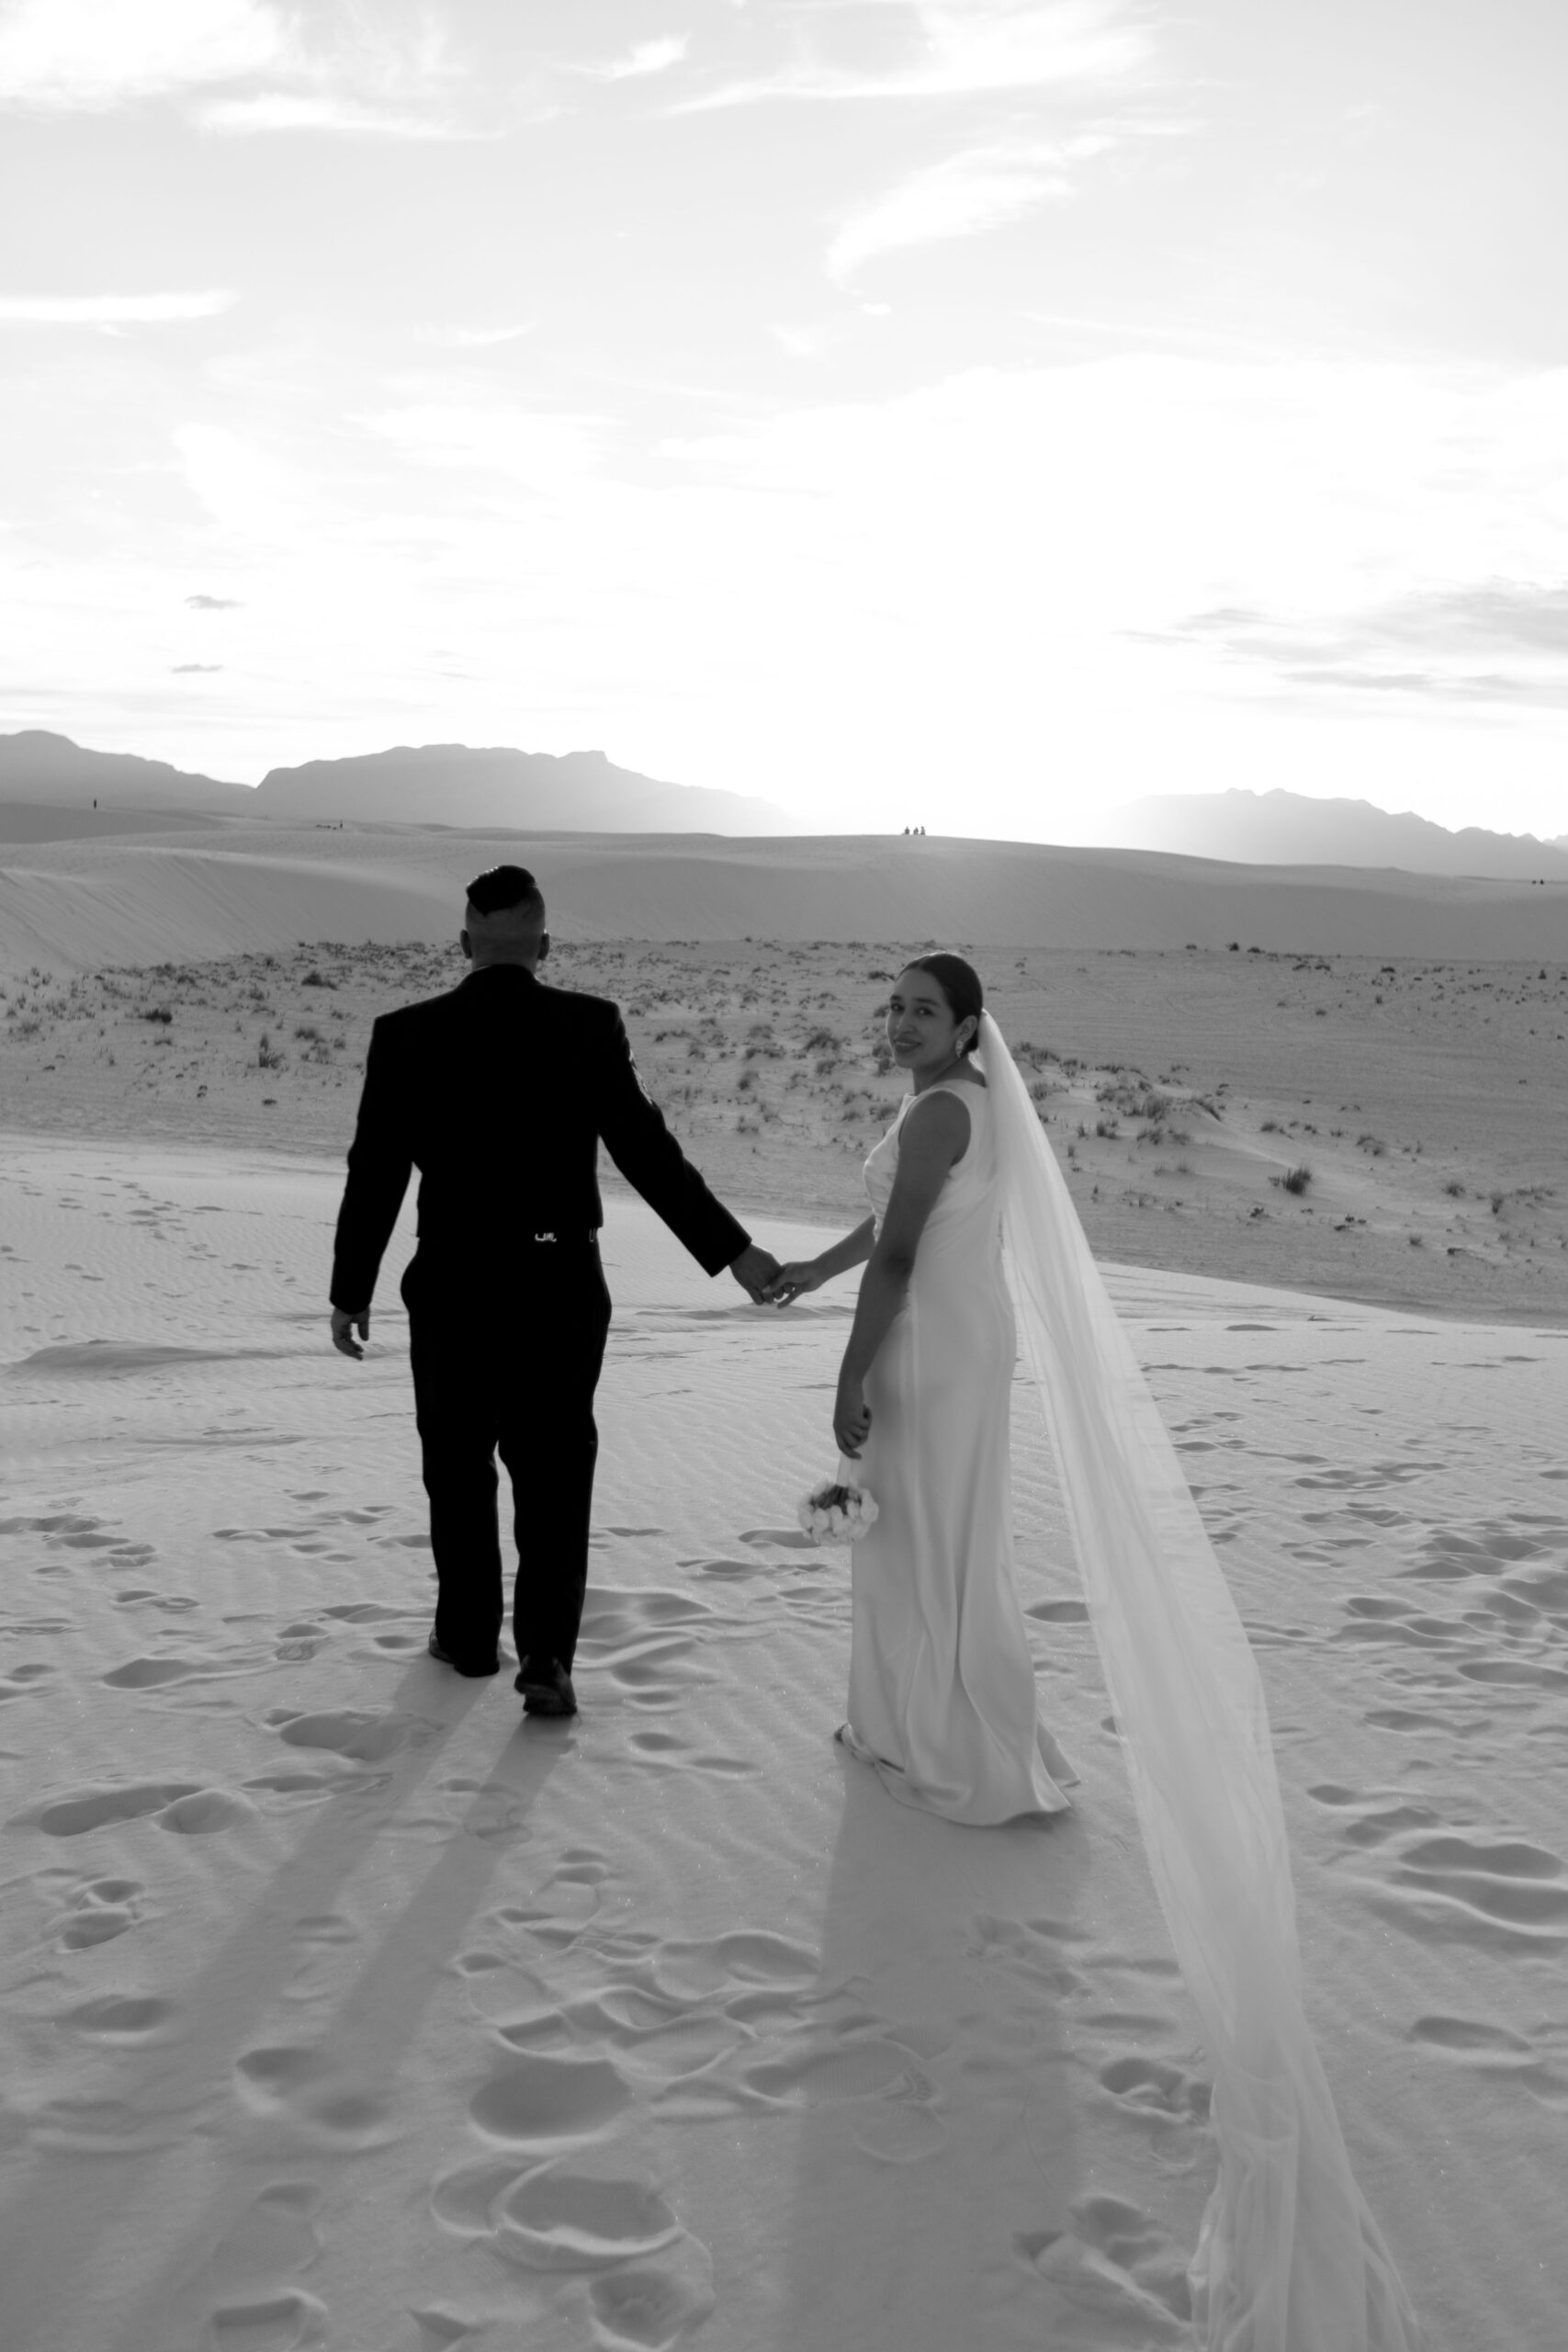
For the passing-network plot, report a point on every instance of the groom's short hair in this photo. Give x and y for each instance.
(507, 889)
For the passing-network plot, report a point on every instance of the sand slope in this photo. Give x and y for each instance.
(343, 2007)
(76, 905)
(1184, 1092)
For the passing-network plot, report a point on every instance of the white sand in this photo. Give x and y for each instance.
(344, 2007)
(75, 905)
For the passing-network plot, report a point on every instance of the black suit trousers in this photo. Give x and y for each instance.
(508, 1363)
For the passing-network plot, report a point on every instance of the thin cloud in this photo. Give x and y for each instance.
(1348, 651)
(95, 54)
(111, 310)
(967, 51)
(962, 195)
(353, 78)
(214, 603)
(647, 57)
(1494, 612)
(477, 338)
(195, 669)
(281, 110)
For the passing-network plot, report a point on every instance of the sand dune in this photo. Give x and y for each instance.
(75, 905)
(345, 2006)
(1390, 1131)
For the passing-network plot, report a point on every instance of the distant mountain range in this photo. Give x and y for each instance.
(50, 771)
(536, 792)
(453, 786)
(1293, 828)
(438, 784)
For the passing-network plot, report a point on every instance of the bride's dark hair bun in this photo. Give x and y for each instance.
(960, 984)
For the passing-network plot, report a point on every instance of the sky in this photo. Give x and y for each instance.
(968, 414)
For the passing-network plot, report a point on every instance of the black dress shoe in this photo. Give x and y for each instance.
(546, 1688)
(445, 1657)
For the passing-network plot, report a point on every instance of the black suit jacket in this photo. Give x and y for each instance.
(500, 1093)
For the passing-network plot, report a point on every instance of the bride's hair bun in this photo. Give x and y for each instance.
(960, 984)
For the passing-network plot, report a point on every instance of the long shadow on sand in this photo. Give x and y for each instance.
(136, 2118)
(936, 2126)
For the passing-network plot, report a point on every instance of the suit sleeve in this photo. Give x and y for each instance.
(379, 1161)
(648, 1156)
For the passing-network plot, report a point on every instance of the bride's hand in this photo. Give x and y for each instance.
(852, 1419)
(791, 1281)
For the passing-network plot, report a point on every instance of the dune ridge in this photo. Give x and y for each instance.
(74, 905)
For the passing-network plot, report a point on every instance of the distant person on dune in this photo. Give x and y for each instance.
(500, 1093)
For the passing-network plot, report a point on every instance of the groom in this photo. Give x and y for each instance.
(499, 1094)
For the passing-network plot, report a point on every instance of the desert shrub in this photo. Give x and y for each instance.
(1294, 1179)
(267, 1054)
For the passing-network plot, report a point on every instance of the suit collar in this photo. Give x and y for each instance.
(508, 973)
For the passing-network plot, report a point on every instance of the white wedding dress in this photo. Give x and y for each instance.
(941, 1684)
(941, 1692)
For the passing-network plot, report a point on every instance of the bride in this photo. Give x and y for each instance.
(941, 1684)
(973, 1237)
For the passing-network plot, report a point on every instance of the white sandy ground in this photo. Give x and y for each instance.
(342, 2007)
(75, 905)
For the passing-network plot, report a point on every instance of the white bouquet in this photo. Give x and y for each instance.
(837, 1511)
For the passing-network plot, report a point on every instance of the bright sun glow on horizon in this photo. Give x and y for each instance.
(976, 414)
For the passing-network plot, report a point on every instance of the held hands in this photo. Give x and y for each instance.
(343, 1328)
(793, 1280)
(755, 1269)
(852, 1418)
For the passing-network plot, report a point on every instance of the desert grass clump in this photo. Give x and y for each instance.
(1294, 1179)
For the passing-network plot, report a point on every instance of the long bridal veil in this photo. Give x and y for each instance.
(1288, 2258)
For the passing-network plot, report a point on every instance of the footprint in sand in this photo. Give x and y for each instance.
(540, 2101)
(74, 1816)
(273, 2239)
(99, 1911)
(1119, 2266)
(646, 2310)
(118, 2016)
(652, 2281)
(832, 2071)
(747, 1957)
(1468, 2037)
(1507, 1883)
(549, 2218)
(205, 1813)
(285, 2322)
(1155, 2091)
(23, 1678)
(363, 1739)
(186, 1808)
(153, 1673)
(302, 2081)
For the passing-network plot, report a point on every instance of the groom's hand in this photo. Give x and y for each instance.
(343, 1328)
(754, 1270)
